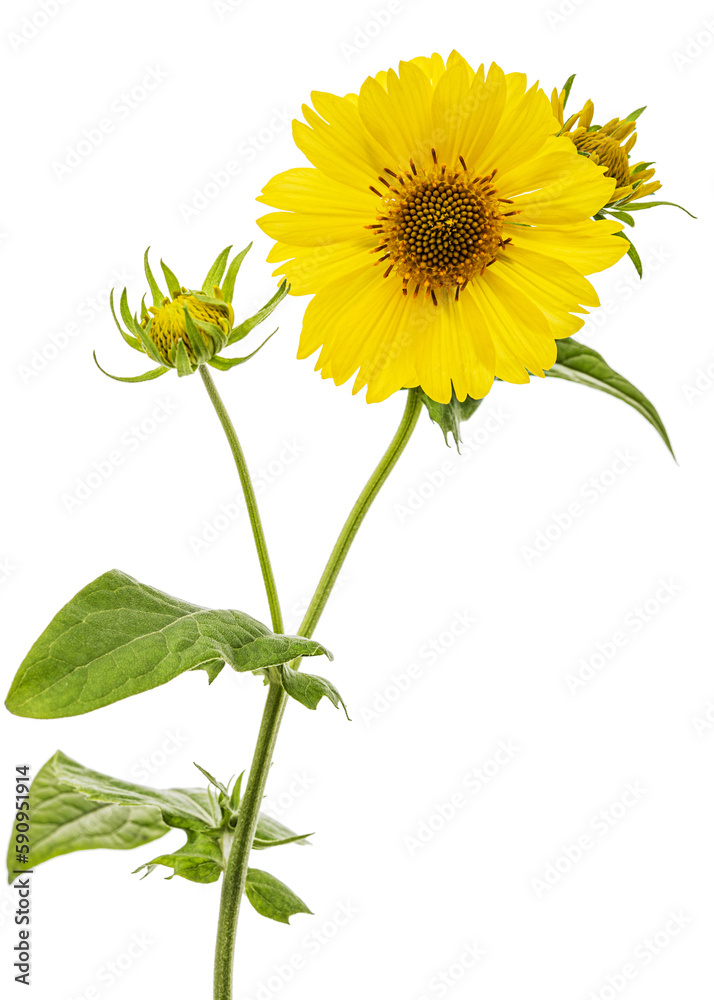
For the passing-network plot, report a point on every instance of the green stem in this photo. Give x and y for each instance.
(234, 877)
(250, 501)
(364, 502)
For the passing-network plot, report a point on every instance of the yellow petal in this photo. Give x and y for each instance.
(526, 123)
(484, 106)
(452, 343)
(399, 117)
(306, 190)
(553, 286)
(456, 108)
(561, 186)
(337, 143)
(587, 246)
(524, 342)
(313, 267)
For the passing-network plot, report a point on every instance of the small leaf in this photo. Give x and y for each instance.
(214, 781)
(199, 860)
(143, 333)
(172, 281)
(239, 332)
(639, 206)
(450, 416)
(182, 360)
(146, 377)
(199, 345)
(272, 898)
(309, 689)
(235, 793)
(128, 337)
(212, 668)
(156, 293)
(118, 637)
(578, 363)
(634, 115)
(566, 89)
(231, 274)
(215, 272)
(632, 252)
(270, 833)
(224, 364)
(64, 820)
(622, 217)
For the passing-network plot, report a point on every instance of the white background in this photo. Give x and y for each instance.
(229, 78)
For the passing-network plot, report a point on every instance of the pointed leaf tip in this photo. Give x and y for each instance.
(146, 377)
(578, 363)
(231, 274)
(271, 897)
(156, 293)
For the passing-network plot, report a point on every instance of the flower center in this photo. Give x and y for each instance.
(168, 322)
(439, 228)
(608, 152)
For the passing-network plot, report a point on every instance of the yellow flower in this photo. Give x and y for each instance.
(609, 145)
(444, 230)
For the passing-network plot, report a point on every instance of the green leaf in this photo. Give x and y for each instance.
(239, 332)
(309, 689)
(215, 272)
(63, 820)
(622, 217)
(634, 115)
(182, 360)
(578, 363)
(639, 206)
(130, 339)
(566, 87)
(146, 377)
(270, 833)
(224, 364)
(235, 792)
(172, 281)
(631, 252)
(450, 416)
(199, 860)
(214, 781)
(144, 335)
(272, 898)
(199, 345)
(156, 293)
(181, 808)
(118, 637)
(229, 281)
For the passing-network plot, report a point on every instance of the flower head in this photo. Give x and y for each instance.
(609, 145)
(187, 328)
(169, 324)
(444, 229)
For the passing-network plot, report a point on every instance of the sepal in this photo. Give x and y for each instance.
(449, 416)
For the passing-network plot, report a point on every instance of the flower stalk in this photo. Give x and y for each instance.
(234, 878)
(250, 500)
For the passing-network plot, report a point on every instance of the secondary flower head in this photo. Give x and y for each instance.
(444, 229)
(609, 145)
(187, 328)
(169, 323)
